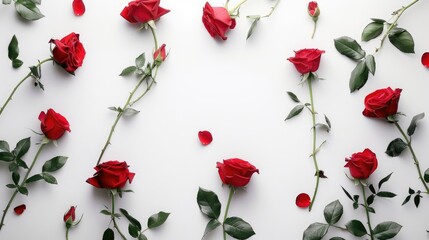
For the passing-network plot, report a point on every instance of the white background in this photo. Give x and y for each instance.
(237, 90)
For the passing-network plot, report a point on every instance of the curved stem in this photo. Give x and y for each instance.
(115, 225)
(272, 9)
(231, 193)
(19, 84)
(313, 117)
(416, 161)
(237, 6)
(314, 28)
(398, 14)
(155, 40)
(23, 183)
(366, 210)
(67, 233)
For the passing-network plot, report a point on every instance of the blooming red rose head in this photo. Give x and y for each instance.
(362, 164)
(306, 60)
(217, 20)
(53, 124)
(68, 52)
(236, 172)
(70, 215)
(143, 11)
(382, 103)
(159, 55)
(111, 175)
(313, 9)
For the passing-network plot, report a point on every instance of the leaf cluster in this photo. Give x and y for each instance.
(27, 9)
(13, 52)
(209, 205)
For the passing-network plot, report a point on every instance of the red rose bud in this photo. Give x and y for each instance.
(236, 172)
(159, 55)
(362, 164)
(143, 11)
(111, 175)
(205, 137)
(382, 103)
(53, 124)
(217, 21)
(19, 209)
(313, 9)
(302, 200)
(425, 59)
(306, 60)
(68, 52)
(70, 216)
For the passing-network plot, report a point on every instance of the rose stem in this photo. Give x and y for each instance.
(21, 185)
(313, 117)
(398, 14)
(366, 210)
(231, 193)
(237, 6)
(129, 103)
(114, 218)
(67, 233)
(19, 84)
(416, 162)
(314, 28)
(272, 9)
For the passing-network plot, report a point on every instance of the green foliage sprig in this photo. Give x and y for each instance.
(27, 9)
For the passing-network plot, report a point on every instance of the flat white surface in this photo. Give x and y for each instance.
(237, 90)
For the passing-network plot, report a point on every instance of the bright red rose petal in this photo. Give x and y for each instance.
(19, 209)
(78, 7)
(302, 200)
(425, 59)
(205, 137)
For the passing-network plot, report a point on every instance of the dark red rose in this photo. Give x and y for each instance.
(68, 52)
(306, 60)
(143, 11)
(362, 164)
(217, 20)
(236, 172)
(159, 55)
(111, 175)
(70, 215)
(382, 103)
(19, 209)
(313, 9)
(53, 124)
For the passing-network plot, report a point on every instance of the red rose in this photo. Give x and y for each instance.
(143, 11)
(313, 9)
(306, 60)
(362, 164)
(236, 172)
(111, 174)
(53, 124)
(382, 103)
(68, 52)
(70, 215)
(217, 20)
(159, 55)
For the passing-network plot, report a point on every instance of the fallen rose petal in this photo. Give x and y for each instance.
(303, 200)
(78, 7)
(425, 59)
(205, 137)
(19, 209)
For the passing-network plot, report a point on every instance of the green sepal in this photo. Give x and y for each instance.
(238, 228)
(359, 76)
(356, 228)
(208, 203)
(386, 230)
(28, 10)
(349, 48)
(108, 234)
(412, 128)
(372, 30)
(295, 111)
(396, 147)
(316, 231)
(333, 212)
(402, 40)
(49, 178)
(211, 225)
(157, 219)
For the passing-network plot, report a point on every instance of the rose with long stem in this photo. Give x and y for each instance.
(231, 193)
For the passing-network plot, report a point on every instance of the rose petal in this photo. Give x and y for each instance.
(205, 137)
(302, 200)
(78, 7)
(19, 209)
(425, 59)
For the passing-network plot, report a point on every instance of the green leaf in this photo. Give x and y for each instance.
(347, 194)
(106, 212)
(133, 230)
(238, 228)
(157, 220)
(22, 147)
(386, 230)
(406, 199)
(386, 194)
(128, 70)
(54, 164)
(49, 178)
(295, 111)
(372, 30)
(7, 1)
(4, 146)
(402, 40)
(385, 179)
(378, 20)
(370, 199)
(140, 60)
(396, 147)
(142, 237)
(209, 203)
(349, 48)
(21, 163)
(372, 189)
(253, 27)
(34, 178)
(6, 156)
(108, 234)
(417, 200)
(10, 185)
(211, 225)
(370, 209)
(130, 112)
(411, 191)
(426, 176)
(356, 228)
(316, 231)
(333, 212)
(131, 219)
(15, 177)
(13, 50)
(359, 76)
(22, 190)
(16, 63)
(28, 10)
(411, 129)
(370, 63)
(13, 167)
(337, 238)
(328, 122)
(293, 97)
